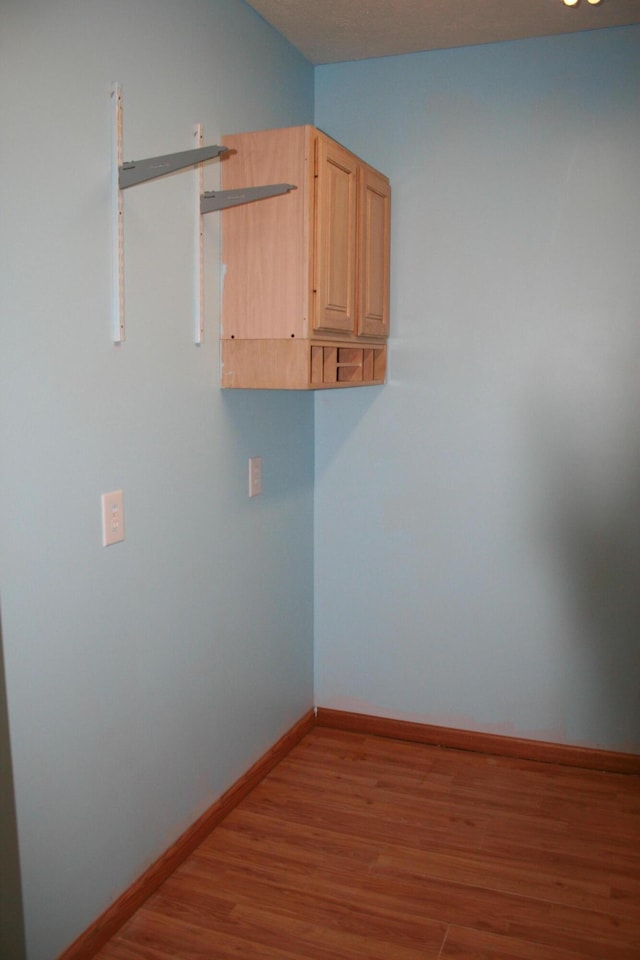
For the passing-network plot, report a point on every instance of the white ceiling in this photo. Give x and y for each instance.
(327, 31)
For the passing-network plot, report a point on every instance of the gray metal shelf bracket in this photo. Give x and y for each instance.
(213, 200)
(139, 171)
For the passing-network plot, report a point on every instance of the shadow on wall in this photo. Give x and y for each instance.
(601, 557)
(589, 470)
(11, 921)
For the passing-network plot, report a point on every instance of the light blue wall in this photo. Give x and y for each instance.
(144, 678)
(477, 546)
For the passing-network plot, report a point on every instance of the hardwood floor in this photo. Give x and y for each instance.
(361, 848)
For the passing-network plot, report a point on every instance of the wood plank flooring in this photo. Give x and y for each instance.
(360, 848)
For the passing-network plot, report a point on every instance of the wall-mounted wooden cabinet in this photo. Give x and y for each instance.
(305, 286)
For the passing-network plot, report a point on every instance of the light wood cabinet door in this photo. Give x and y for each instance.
(334, 234)
(374, 212)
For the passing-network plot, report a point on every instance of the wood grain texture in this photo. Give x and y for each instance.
(335, 238)
(266, 364)
(265, 245)
(86, 946)
(374, 252)
(309, 265)
(590, 758)
(298, 365)
(356, 847)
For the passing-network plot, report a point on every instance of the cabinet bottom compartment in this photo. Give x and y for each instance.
(301, 364)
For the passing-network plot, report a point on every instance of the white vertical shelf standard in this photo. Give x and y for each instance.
(117, 216)
(199, 279)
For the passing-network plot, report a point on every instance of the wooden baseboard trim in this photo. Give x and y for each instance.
(590, 758)
(107, 925)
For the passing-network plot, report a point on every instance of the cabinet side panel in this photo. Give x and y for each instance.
(265, 289)
(266, 364)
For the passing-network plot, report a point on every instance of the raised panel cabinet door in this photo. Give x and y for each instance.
(374, 253)
(335, 239)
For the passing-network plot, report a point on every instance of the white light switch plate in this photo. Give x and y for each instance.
(112, 517)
